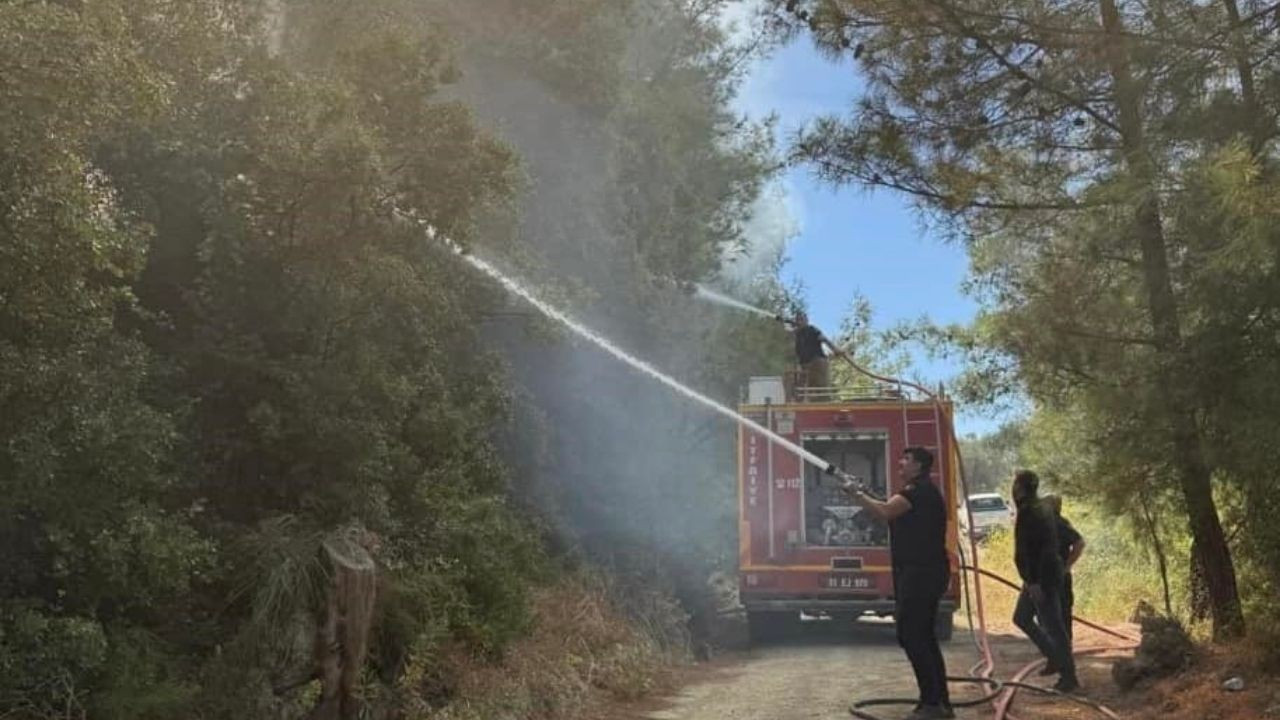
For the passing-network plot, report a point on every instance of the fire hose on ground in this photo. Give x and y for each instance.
(999, 692)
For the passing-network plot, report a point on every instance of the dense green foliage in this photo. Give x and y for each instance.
(220, 343)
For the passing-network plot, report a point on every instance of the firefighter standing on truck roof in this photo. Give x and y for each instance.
(815, 370)
(917, 518)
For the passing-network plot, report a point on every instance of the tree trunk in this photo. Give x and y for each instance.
(1257, 128)
(1149, 519)
(1194, 475)
(1198, 588)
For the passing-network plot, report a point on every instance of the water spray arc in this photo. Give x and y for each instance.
(715, 297)
(586, 333)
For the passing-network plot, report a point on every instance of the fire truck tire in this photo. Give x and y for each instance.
(764, 626)
(944, 625)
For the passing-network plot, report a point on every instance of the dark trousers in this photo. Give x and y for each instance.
(1042, 622)
(917, 592)
(1068, 607)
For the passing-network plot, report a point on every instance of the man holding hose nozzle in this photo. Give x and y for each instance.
(917, 518)
(1039, 609)
(815, 371)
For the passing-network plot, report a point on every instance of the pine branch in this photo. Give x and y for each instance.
(1013, 67)
(1104, 337)
(946, 201)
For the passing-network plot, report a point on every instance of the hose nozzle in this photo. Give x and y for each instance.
(847, 480)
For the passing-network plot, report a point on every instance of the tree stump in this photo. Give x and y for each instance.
(342, 635)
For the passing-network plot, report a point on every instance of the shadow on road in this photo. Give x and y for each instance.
(830, 631)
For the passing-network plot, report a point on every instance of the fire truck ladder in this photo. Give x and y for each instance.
(925, 433)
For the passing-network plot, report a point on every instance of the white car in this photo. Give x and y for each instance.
(990, 511)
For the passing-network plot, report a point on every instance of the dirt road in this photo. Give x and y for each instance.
(820, 671)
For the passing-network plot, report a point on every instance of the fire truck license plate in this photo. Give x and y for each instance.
(849, 582)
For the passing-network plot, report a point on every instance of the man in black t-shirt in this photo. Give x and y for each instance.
(815, 372)
(1039, 609)
(1070, 548)
(917, 517)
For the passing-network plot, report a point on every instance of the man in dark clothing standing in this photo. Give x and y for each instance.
(815, 372)
(1070, 548)
(917, 517)
(1039, 609)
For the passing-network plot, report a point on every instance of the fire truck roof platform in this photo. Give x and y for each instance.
(784, 390)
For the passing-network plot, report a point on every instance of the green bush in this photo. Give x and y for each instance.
(48, 664)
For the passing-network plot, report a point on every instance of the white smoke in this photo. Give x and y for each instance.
(775, 216)
(739, 20)
(775, 220)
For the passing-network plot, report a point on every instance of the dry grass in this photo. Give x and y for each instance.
(583, 652)
(1197, 694)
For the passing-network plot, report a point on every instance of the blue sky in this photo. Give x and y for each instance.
(847, 240)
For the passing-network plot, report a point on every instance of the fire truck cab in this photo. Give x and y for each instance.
(803, 546)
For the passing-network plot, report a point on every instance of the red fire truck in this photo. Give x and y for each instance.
(803, 546)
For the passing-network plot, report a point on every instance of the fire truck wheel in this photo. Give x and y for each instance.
(765, 626)
(944, 625)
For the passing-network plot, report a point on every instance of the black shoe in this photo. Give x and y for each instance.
(945, 705)
(1050, 669)
(931, 712)
(1066, 684)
